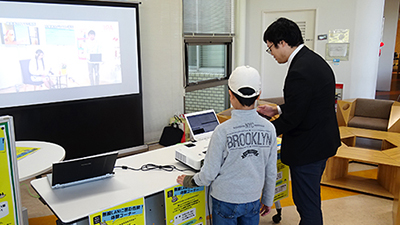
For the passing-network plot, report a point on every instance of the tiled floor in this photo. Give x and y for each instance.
(342, 207)
(357, 210)
(339, 206)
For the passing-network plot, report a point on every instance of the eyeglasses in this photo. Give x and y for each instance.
(269, 51)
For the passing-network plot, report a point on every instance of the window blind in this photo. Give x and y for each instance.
(208, 17)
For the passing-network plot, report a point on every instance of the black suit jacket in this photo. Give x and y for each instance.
(308, 120)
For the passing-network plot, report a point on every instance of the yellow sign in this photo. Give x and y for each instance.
(129, 213)
(185, 206)
(9, 189)
(282, 178)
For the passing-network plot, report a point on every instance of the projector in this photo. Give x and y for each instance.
(192, 154)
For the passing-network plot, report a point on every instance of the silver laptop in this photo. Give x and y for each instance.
(82, 170)
(201, 125)
(95, 57)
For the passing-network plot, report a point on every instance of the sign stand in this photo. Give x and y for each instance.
(10, 201)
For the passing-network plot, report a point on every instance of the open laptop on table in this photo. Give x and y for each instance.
(201, 125)
(82, 170)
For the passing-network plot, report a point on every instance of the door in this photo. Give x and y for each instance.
(273, 74)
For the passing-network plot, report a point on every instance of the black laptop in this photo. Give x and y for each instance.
(82, 170)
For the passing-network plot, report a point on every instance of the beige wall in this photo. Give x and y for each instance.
(162, 48)
(162, 64)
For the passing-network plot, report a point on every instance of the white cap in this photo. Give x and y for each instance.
(245, 77)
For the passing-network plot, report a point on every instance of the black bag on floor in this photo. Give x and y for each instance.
(171, 135)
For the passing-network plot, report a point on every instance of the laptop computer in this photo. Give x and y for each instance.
(201, 125)
(82, 170)
(96, 57)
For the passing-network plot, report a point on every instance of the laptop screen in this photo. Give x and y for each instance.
(95, 57)
(83, 168)
(202, 124)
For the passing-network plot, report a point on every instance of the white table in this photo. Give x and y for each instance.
(40, 161)
(78, 202)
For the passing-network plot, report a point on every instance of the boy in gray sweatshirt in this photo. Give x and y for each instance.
(240, 163)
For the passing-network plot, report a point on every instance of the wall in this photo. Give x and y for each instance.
(362, 17)
(162, 49)
(389, 38)
(162, 64)
(368, 28)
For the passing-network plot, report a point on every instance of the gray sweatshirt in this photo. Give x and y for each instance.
(240, 163)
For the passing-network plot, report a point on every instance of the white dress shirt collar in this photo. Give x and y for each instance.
(294, 54)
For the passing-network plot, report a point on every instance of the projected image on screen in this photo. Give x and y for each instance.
(65, 51)
(58, 54)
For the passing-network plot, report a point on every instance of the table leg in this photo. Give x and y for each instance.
(388, 178)
(335, 168)
(396, 192)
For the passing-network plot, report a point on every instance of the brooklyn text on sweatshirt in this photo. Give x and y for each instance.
(248, 138)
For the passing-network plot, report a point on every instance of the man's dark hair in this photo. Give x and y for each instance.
(91, 32)
(245, 101)
(286, 30)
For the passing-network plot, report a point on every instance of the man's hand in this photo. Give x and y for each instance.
(267, 110)
(264, 210)
(180, 179)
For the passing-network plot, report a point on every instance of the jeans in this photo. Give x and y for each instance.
(306, 190)
(94, 76)
(224, 213)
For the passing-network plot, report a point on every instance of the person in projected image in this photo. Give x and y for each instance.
(40, 70)
(93, 56)
(9, 37)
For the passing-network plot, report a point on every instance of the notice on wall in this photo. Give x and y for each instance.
(282, 177)
(10, 203)
(185, 206)
(129, 213)
(338, 46)
(339, 36)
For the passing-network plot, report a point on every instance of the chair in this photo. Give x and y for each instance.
(375, 114)
(26, 75)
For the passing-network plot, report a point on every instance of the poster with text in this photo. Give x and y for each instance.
(185, 206)
(282, 177)
(10, 204)
(129, 213)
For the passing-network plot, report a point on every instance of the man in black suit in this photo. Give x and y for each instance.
(307, 118)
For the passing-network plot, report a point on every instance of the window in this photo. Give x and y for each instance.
(208, 35)
(208, 66)
(208, 17)
(207, 60)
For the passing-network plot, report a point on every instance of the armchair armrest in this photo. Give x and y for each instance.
(345, 111)
(394, 118)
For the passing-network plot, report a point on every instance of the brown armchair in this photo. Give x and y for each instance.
(375, 114)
